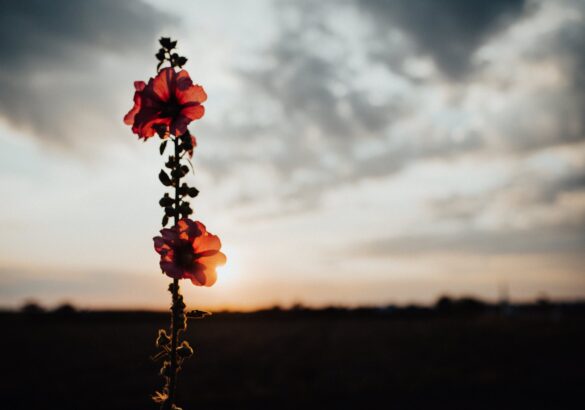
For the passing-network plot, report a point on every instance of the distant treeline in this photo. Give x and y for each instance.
(444, 307)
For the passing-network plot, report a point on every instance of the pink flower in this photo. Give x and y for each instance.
(188, 251)
(168, 103)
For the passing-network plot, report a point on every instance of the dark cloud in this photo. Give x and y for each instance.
(52, 78)
(449, 30)
(329, 137)
(322, 118)
(570, 48)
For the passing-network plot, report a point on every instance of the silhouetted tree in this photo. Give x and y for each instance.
(32, 308)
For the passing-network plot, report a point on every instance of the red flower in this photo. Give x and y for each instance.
(188, 251)
(168, 103)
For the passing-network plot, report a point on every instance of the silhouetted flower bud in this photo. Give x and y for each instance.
(166, 200)
(181, 61)
(185, 350)
(165, 370)
(163, 338)
(166, 42)
(193, 192)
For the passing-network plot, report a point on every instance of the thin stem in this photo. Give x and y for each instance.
(174, 343)
(175, 292)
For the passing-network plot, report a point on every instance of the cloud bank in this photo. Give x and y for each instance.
(56, 79)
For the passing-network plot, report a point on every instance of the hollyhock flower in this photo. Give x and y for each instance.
(188, 251)
(167, 104)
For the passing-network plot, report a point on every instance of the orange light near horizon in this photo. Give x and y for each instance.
(229, 274)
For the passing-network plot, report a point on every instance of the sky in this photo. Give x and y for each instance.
(353, 152)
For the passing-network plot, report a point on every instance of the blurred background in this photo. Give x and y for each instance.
(354, 153)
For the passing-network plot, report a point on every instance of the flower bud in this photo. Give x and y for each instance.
(184, 351)
(165, 370)
(163, 338)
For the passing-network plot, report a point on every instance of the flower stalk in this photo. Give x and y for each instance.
(165, 106)
(174, 288)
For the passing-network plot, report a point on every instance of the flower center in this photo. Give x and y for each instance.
(171, 109)
(184, 256)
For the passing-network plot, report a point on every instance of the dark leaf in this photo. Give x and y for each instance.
(198, 314)
(171, 162)
(184, 170)
(169, 211)
(160, 55)
(165, 220)
(173, 44)
(183, 189)
(164, 178)
(176, 173)
(162, 147)
(166, 201)
(185, 209)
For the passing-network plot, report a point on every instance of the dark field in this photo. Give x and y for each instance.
(287, 360)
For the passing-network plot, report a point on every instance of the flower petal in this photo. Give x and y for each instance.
(183, 81)
(129, 118)
(211, 277)
(187, 229)
(159, 243)
(218, 259)
(163, 83)
(197, 275)
(179, 125)
(191, 94)
(149, 128)
(170, 236)
(193, 112)
(206, 243)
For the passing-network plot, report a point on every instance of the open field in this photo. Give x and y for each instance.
(283, 360)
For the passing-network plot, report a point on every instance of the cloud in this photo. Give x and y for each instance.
(529, 213)
(536, 240)
(56, 81)
(526, 191)
(334, 113)
(449, 31)
(335, 116)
